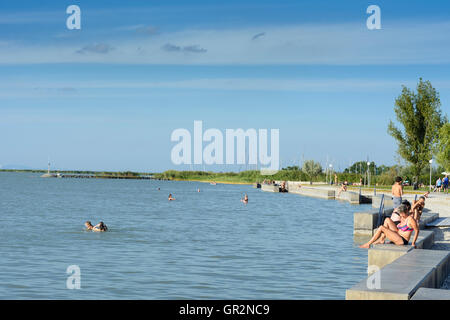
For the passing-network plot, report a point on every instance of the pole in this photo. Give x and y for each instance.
(430, 175)
(374, 181)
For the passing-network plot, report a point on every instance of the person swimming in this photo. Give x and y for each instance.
(100, 227)
(245, 200)
(88, 225)
(170, 197)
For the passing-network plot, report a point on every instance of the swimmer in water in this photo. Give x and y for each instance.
(88, 225)
(198, 190)
(170, 197)
(101, 227)
(245, 200)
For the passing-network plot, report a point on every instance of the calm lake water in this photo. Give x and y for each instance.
(205, 245)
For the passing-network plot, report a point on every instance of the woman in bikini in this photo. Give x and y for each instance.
(395, 216)
(399, 234)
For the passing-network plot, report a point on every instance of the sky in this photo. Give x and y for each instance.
(108, 96)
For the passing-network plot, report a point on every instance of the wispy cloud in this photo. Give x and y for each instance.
(95, 48)
(337, 44)
(258, 35)
(140, 29)
(171, 47)
(190, 48)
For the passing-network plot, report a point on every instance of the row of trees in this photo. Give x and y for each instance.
(423, 134)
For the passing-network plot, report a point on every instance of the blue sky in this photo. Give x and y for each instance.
(108, 96)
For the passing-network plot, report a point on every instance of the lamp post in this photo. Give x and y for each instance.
(374, 179)
(331, 166)
(431, 161)
(368, 174)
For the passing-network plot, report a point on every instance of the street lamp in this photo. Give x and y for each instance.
(368, 174)
(331, 166)
(431, 161)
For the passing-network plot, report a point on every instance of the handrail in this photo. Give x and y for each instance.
(380, 212)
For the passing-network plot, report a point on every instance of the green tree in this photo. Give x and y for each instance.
(443, 147)
(421, 117)
(311, 169)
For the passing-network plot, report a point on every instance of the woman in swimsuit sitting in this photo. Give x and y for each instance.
(395, 216)
(398, 234)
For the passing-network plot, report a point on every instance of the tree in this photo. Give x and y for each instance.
(443, 147)
(360, 167)
(311, 169)
(421, 117)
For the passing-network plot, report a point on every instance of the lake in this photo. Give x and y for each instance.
(204, 245)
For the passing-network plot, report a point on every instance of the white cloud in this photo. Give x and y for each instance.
(339, 44)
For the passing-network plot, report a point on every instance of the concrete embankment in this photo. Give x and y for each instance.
(401, 279)
(399, 272)
(323, 192)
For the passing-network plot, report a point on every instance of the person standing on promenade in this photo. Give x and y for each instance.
(445, 184)
(397, 192)
(438, 185)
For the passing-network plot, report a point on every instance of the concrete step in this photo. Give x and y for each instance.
(431, 294)
(381, 255)
(439, 222)
(401, 279)
(438, 259)
(393, 282)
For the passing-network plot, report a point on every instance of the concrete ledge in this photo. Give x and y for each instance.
(431, 294)
(364, 223)
(393, 282)
(270, 188)
(382, 254)
(314, 192)
(426, 218)
(438, 259)
(376, 201)
(350, 196)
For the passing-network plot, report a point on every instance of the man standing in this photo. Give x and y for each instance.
(397, 192)
(445, 184)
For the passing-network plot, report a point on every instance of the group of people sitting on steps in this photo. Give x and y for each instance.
(404, 220)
